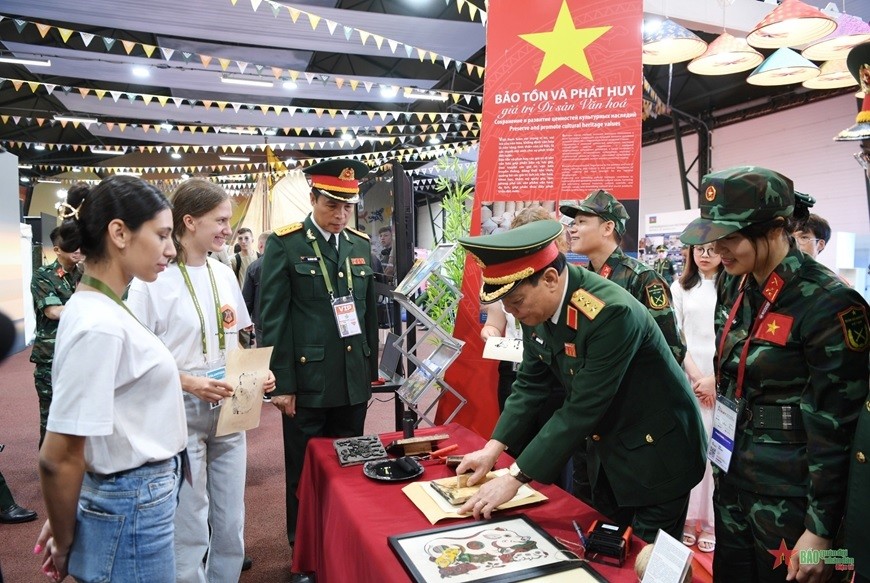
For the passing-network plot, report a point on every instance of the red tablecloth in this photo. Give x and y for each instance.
(345, 518)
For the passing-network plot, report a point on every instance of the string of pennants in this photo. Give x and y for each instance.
(372, 158)
(364, 36)
(163, 100)
(167, 54)
(472, 9)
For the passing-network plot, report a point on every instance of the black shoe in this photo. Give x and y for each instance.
(247, 563)
(14, 514)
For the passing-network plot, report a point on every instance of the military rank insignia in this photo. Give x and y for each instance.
(358, 260)
(856, 332)
(656, 296)
(605, 271)
(775, 328)
(570, 349)
(588, 304)
(287, 229)
(571, 317)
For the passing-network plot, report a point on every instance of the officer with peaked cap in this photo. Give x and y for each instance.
(318, 312)
(624, 390)
(791, 366)
(596, 231)
(857, 508)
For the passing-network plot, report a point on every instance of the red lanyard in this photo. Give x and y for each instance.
(772, 289)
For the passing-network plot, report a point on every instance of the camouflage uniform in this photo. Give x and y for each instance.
(642, 282)
(806, 379)
(50, 286)
(665, 269)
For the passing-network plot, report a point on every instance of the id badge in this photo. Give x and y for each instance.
(217, 374)
(721, 446)
(345, 316)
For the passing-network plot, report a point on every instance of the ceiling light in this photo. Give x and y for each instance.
(235, 158)
(347, 136)
(49, 181)
(851, 31)
(123, 173)
(832, 75)
(61, 193)
(25, 166)
(671, 43)
(414, 93)
(389, 90)
(783, 67)
(434, 140)
(107, 152)
(288, 84)
(789, 24)
(141, 71)
(24, 179)
(176, 156)
(39, 147)
(231, 130)
(246, 81)
(725, 55)
(30, 62)
(74, 119)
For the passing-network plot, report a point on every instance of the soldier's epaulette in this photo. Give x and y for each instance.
(358, 233)
(287, 229)
(587, 303)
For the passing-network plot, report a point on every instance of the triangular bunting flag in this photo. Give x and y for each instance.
(167, 53)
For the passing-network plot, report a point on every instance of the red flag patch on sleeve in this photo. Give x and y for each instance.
(775, 328)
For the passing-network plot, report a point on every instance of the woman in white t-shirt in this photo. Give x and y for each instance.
(110, 465)
(694, 297)
(196, 308)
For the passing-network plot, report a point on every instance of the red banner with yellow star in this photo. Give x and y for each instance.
(561, 117)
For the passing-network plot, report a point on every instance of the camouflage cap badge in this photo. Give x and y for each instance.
(735, 198)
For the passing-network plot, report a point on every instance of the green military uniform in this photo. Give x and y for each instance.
(857, 507)
(51, 285)
(805, 381)
(330, 375)
(664, 267)
(641, 281)
(624, 391)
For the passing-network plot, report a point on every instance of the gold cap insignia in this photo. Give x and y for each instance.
(710, 193)
(346, 174)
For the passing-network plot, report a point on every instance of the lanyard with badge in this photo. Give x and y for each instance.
(343, 308)
(728, 411)
(218, 371)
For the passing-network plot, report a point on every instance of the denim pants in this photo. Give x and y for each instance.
(124, 525)
(211, 511)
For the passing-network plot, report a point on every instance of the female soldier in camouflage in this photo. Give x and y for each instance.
(791, 367)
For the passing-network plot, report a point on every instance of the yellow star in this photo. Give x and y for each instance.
(564, 45)
(772, 328)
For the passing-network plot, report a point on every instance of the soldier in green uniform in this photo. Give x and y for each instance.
(664, 266)
(857, 506)
(791, 362)
(318, 311)
(624, 389)
(51, 287)
(596, 231)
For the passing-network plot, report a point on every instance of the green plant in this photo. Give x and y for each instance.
(456, 181)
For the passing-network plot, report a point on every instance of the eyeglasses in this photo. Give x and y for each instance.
(806, 239)
(863, 158)
(708, 251)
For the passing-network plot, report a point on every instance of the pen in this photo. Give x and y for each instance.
(579, 533)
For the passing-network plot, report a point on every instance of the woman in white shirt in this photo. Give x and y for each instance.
(110, 464)
(196, 308)
(694, 297)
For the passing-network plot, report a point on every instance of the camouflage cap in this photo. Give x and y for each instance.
(735, 198)
(509, 257)
(601, 204)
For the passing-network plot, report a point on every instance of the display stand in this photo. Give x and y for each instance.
(424, 387)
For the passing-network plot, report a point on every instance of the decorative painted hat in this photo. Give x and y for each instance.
(599, 203)
(509, 257)
(337, 179)
(735, 198)
(858, 62)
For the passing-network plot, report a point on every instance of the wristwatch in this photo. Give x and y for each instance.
(516, 472)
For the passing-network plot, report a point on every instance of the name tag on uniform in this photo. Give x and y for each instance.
(721, 445)
(308, 259)
(345, 316)
(217, 374)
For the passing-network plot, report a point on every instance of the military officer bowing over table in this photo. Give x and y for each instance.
(624, 389)
(318, 311)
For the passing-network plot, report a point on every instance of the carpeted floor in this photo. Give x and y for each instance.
(265, 534)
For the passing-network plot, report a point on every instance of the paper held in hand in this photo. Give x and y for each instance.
(247, 370)
(510, 349)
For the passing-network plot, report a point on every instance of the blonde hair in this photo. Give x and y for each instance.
(538, 213)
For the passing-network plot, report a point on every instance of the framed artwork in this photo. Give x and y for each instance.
(510, 548)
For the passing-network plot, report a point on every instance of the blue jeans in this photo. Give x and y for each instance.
(124, 525)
